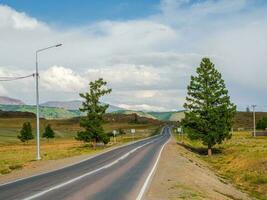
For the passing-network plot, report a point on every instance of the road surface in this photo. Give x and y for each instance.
(119, 174)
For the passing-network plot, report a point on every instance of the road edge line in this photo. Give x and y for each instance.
(151, 174)
(41, 193)
(86, 159)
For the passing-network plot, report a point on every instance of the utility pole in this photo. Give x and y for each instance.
(38, 156)
(254, 120)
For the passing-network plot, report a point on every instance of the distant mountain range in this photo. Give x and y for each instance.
(74, 105)
(10, 101)
(69, 109)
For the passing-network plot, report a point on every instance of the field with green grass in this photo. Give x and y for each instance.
(242, 159)
(15, 155)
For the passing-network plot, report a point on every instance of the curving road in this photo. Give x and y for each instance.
(119, 174)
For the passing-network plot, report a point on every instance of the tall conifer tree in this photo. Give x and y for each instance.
(209, 112)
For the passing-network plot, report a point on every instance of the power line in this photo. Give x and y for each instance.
(15, 78)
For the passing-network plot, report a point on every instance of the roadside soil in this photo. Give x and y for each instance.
(181, 175)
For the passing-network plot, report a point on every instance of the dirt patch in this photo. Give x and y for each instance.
(181, 175)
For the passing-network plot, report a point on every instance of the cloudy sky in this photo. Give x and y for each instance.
(146, 50)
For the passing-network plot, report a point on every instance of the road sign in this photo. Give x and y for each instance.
(114, 135)
(179, 130)
(132, 130)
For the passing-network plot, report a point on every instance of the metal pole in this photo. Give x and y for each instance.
(254, 120)
(38, 156)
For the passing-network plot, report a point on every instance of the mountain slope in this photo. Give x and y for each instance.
(74, 105)
(139, 113)
(45, 112)
(10, 101)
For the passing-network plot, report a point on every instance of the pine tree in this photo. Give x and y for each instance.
(48, 133)
(209, 112)
(26, 132)
(95, 110)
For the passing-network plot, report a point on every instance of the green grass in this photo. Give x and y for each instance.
(16, 155)
(242, 159)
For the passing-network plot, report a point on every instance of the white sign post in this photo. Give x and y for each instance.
(114, 135)
(133, 132)
(179, 131)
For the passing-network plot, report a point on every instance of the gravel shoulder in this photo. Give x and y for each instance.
(181, 175)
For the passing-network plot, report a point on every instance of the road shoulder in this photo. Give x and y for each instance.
(181, 175)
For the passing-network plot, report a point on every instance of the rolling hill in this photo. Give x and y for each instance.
(139, 113)
(74, 105)
(45, 112)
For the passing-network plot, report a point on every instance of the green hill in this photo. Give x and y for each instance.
(139, 113)
(63, 113)
(45, 112)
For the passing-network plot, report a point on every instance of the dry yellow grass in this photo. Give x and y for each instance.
(16, 155)
(242, 159)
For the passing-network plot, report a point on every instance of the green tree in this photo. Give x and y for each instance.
(26, 132)
(48, 133)
(121, 131)
(262, 123)
(105, 139)
(95, 110)
(209, 112)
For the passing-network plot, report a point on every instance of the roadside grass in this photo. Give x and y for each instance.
(189, 193)
(242, 159)
(16, 155)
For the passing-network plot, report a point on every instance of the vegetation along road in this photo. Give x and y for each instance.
(122, 173)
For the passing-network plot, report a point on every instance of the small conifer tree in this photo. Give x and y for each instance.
(26, 132)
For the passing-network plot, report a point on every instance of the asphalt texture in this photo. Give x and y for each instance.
(115, 175)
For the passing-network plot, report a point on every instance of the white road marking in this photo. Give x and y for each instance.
(88, 173)
(75, 163)
(149, 178)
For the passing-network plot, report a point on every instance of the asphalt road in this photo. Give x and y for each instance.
(118, 174)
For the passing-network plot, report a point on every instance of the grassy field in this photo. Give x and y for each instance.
(242, 159)
(15, 155)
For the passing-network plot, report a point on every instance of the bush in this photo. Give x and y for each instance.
(106, 139)
(121, 131)
(262, 123)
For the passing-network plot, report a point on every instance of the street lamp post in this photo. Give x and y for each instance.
(38, 156)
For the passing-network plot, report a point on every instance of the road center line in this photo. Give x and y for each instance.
(88, 173)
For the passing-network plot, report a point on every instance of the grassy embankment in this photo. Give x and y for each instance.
(242, 159)
(16, 155)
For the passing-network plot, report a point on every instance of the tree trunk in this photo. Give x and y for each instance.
(209, 151)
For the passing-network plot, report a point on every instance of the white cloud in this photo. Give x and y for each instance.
(17, 20)
(3, 91)
(58, 78)
(147, 62)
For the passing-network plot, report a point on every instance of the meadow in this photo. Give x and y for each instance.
(242, 159)
(16, 155)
